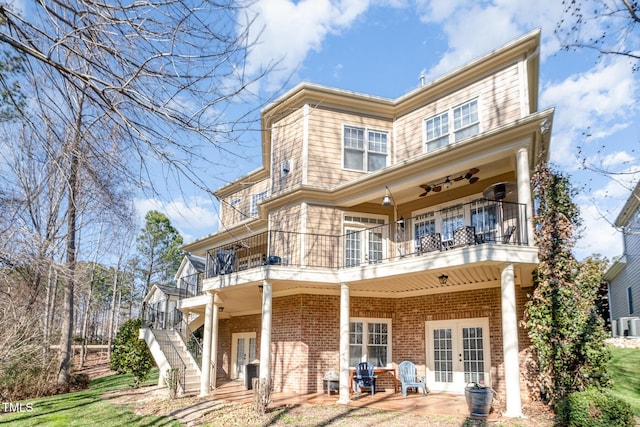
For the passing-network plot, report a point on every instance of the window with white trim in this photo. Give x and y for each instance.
(364, 149)
(255, 199)
(452, 126)
(370, 341)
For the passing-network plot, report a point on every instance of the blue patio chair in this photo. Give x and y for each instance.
(410, 378)
(364, 377)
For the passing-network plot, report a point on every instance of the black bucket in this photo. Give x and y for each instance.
(479, 399)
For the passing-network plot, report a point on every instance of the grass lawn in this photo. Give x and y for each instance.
(624, 369)
(85, 408)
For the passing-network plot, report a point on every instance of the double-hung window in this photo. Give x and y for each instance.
(370, 341)
(452, 126)
(255, 199)
(364, 149)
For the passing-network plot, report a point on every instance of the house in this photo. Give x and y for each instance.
(382, 230)
(622, 276)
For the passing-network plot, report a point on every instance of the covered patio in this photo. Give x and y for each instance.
(439, 404)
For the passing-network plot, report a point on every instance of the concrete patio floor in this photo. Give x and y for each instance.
(433, 404)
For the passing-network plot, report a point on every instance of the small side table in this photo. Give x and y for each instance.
(330, 385)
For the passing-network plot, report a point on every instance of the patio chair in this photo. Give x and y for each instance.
(364, 377)
(430, 242)
(410, 378)
(508, 233)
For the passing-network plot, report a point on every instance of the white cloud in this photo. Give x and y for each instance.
(193, 217)
(287, 31)
(588, 108)
(472, 29)
(606, 241)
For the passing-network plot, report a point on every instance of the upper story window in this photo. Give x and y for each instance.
(364, 149)
(452, 126)
(235, 202)
(255, 199)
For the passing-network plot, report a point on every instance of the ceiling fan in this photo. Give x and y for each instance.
(469, 176)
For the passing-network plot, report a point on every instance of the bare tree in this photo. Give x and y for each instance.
(168, 73)
(609, 27)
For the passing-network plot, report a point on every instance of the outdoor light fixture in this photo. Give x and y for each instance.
(220, 309)
(443, 279)
(260, 287)
(387, 200)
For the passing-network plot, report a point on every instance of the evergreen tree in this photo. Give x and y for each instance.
(131, 354)
(158, 247)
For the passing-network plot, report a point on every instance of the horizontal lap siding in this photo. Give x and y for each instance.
(286, 245)
(325, 144)
(233, 215)
(287, 137)
(324, 228)
(499, 101)
(627, 277)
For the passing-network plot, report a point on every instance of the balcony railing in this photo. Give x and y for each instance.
(191, 284)
(479, 222)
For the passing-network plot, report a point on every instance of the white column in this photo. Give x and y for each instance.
(213, 367)
(524, 191)
(205, 378)
(345, 381)
(265, 331)
(510, 343)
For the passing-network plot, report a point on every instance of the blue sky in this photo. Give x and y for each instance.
(382, 47)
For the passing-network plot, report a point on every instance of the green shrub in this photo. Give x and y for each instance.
(594, 408)
(131, 354)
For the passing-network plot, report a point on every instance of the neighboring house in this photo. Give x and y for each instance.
(623, 276)
(382, 230)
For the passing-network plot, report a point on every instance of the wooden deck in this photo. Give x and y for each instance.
(433, 404)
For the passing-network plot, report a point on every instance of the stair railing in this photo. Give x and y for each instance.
(172, 355)
(194, 346)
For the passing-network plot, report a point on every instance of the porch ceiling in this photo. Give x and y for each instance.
(247, 298)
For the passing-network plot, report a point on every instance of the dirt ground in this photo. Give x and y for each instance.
(194, 411)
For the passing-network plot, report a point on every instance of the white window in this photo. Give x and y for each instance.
(236, 201)
(370, 341)
(255, 199)
(424, 224)
(364, 149)
(452, 126)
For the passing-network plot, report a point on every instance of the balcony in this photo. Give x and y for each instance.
(482, 222)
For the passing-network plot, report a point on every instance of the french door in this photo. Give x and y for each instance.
(243, 352)
(363, 246)
(457, 354)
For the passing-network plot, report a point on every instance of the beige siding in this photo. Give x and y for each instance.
(230, 215)
(325, 144)
(324, 228)
(285, 234)
(499, 103)
(287, 135)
